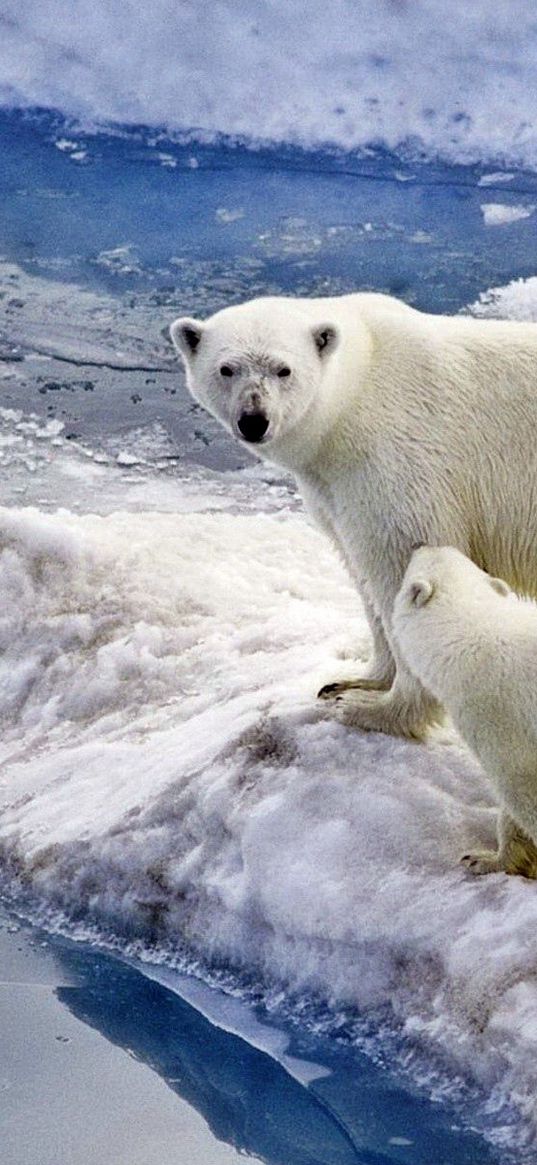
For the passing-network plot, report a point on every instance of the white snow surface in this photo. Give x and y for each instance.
(499, 214)
(168, 776)
(516, 300)
(168, 773)
(453, 79)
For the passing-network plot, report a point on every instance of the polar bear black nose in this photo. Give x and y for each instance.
(253, 426)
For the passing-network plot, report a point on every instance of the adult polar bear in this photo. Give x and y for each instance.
(401, 428)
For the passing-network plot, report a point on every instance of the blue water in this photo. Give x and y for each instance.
(241, 221)
(354, 1114)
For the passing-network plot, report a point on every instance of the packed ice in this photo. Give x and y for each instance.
(364, 73)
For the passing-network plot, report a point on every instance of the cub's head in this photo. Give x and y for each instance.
(257, 368)
(443, 598)
(437, 573)
(438, 580)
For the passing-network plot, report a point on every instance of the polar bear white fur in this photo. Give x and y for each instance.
(477, 653)
(401, 428)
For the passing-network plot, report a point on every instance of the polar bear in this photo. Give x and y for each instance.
(477, 654)
(400, 428)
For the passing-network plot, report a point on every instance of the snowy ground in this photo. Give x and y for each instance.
(167, 771)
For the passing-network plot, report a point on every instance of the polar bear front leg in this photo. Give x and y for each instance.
(388, 698)
(379, 673)
(516, 853)
(407, 709)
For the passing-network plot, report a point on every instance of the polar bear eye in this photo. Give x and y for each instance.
(226, 370)
(284, 371)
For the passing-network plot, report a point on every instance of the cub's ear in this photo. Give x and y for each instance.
(499, 586)
(420, 591)
(326, 339)
(186, 334)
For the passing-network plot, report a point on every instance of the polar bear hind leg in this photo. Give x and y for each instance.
(516, 854)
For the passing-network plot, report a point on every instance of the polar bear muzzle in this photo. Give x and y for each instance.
(253, 426)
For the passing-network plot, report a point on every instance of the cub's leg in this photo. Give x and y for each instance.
(516, 854)
(379, 673)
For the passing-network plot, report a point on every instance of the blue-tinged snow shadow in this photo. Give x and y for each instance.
(134, 208)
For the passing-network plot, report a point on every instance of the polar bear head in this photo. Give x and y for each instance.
(258, 368)
(444, 598)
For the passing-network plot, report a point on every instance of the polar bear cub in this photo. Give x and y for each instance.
(474, 646)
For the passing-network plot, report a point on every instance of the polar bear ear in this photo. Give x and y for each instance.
(326, 338)
(420, 591)
(186, 334)
(500, 587)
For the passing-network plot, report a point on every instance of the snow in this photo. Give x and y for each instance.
(495, 179)
(517, 300)
(168, 774)
(361, 73)
(498, 214)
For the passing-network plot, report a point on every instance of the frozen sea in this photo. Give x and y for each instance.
(239, 896)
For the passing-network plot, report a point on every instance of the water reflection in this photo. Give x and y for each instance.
(352, 1115)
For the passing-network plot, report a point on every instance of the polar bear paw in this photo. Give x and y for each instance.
(517, 853)
(365, 684)
(380, 711)
(483, 861)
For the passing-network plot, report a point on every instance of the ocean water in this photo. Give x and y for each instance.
(170, 787)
